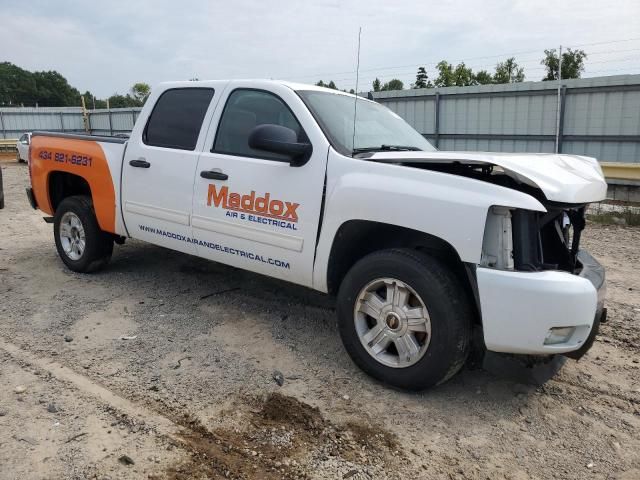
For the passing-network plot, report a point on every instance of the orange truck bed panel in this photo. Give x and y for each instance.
(84, 158)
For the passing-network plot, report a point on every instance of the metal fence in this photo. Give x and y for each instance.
(16, 121)
(599, 117)
(113, 121)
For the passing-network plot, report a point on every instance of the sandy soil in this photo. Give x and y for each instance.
(7, 157)
(168, 363)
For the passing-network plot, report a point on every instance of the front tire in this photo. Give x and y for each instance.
(405, 318)
(82, 246)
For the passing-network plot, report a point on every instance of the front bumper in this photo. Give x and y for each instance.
(520, 308)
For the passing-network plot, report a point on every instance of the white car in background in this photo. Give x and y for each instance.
(22, 146)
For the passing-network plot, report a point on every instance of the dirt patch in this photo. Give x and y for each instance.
(373, 438)
(278, 437)
(8, 157)
(279, 409)
(195, 353)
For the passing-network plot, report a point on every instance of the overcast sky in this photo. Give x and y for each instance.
(107, 46)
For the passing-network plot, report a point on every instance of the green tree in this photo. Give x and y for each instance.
(572, 63)
(448, 76)
(330, 85)
(376, 85)
(393, 84)
(508, 72)
(53, 90)
(46, 89)
(445, 78)
(483, 78)
(123, 101)
(463, 76)
(141, 91)
(92, 102)
(422, 79)
(17, 86)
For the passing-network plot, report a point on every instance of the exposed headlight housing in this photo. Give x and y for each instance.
(497, 244)
(530, 241)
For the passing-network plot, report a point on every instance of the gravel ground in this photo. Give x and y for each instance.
(162, 366)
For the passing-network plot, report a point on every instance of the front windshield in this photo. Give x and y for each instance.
(377, 127)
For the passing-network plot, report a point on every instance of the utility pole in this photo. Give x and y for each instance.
(559, 100)
(85, 116)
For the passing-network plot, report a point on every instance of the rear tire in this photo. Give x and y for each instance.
(405, 318)
(82, 246)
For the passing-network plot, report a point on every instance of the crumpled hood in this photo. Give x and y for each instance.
(562, 178)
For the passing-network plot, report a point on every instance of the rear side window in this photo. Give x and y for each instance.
(177, 117)
(245, 110)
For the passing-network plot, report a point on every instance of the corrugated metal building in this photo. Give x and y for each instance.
(15, 121)
(600, 117)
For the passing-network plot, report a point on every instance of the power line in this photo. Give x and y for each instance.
(603, 52)
(605, 43)
(528, 69)
(529, 65)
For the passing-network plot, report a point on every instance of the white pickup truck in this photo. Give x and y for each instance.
(421, 247)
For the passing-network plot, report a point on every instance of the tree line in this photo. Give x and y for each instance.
(508, 71)
(20, 87)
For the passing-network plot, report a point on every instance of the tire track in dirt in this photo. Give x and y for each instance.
(162, 425)
(269, 437)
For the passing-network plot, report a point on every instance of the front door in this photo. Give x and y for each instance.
(254, 210)
(158, 171)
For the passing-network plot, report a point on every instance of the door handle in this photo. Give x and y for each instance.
(140, 163)
(213, 175)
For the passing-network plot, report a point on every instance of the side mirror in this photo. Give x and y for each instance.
(282, 140)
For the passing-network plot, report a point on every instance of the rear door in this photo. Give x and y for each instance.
(260, 214)
(160, 164)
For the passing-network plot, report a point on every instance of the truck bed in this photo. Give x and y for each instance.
(80, 165)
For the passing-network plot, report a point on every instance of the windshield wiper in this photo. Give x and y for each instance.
(386, 148)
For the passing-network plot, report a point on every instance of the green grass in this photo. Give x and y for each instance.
(621, 217)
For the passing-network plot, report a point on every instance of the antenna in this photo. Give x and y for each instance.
(355, 99)
(557, 146)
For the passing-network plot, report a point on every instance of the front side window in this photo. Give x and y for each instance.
(176, 119)
(245, 110)
(24, 139)
(376, 127)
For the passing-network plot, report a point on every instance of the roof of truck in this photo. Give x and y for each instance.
(262, 81)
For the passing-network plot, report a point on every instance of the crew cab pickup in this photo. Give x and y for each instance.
(420, 247)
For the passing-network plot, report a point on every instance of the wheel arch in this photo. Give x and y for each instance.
(61, 185)
(355, 239)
